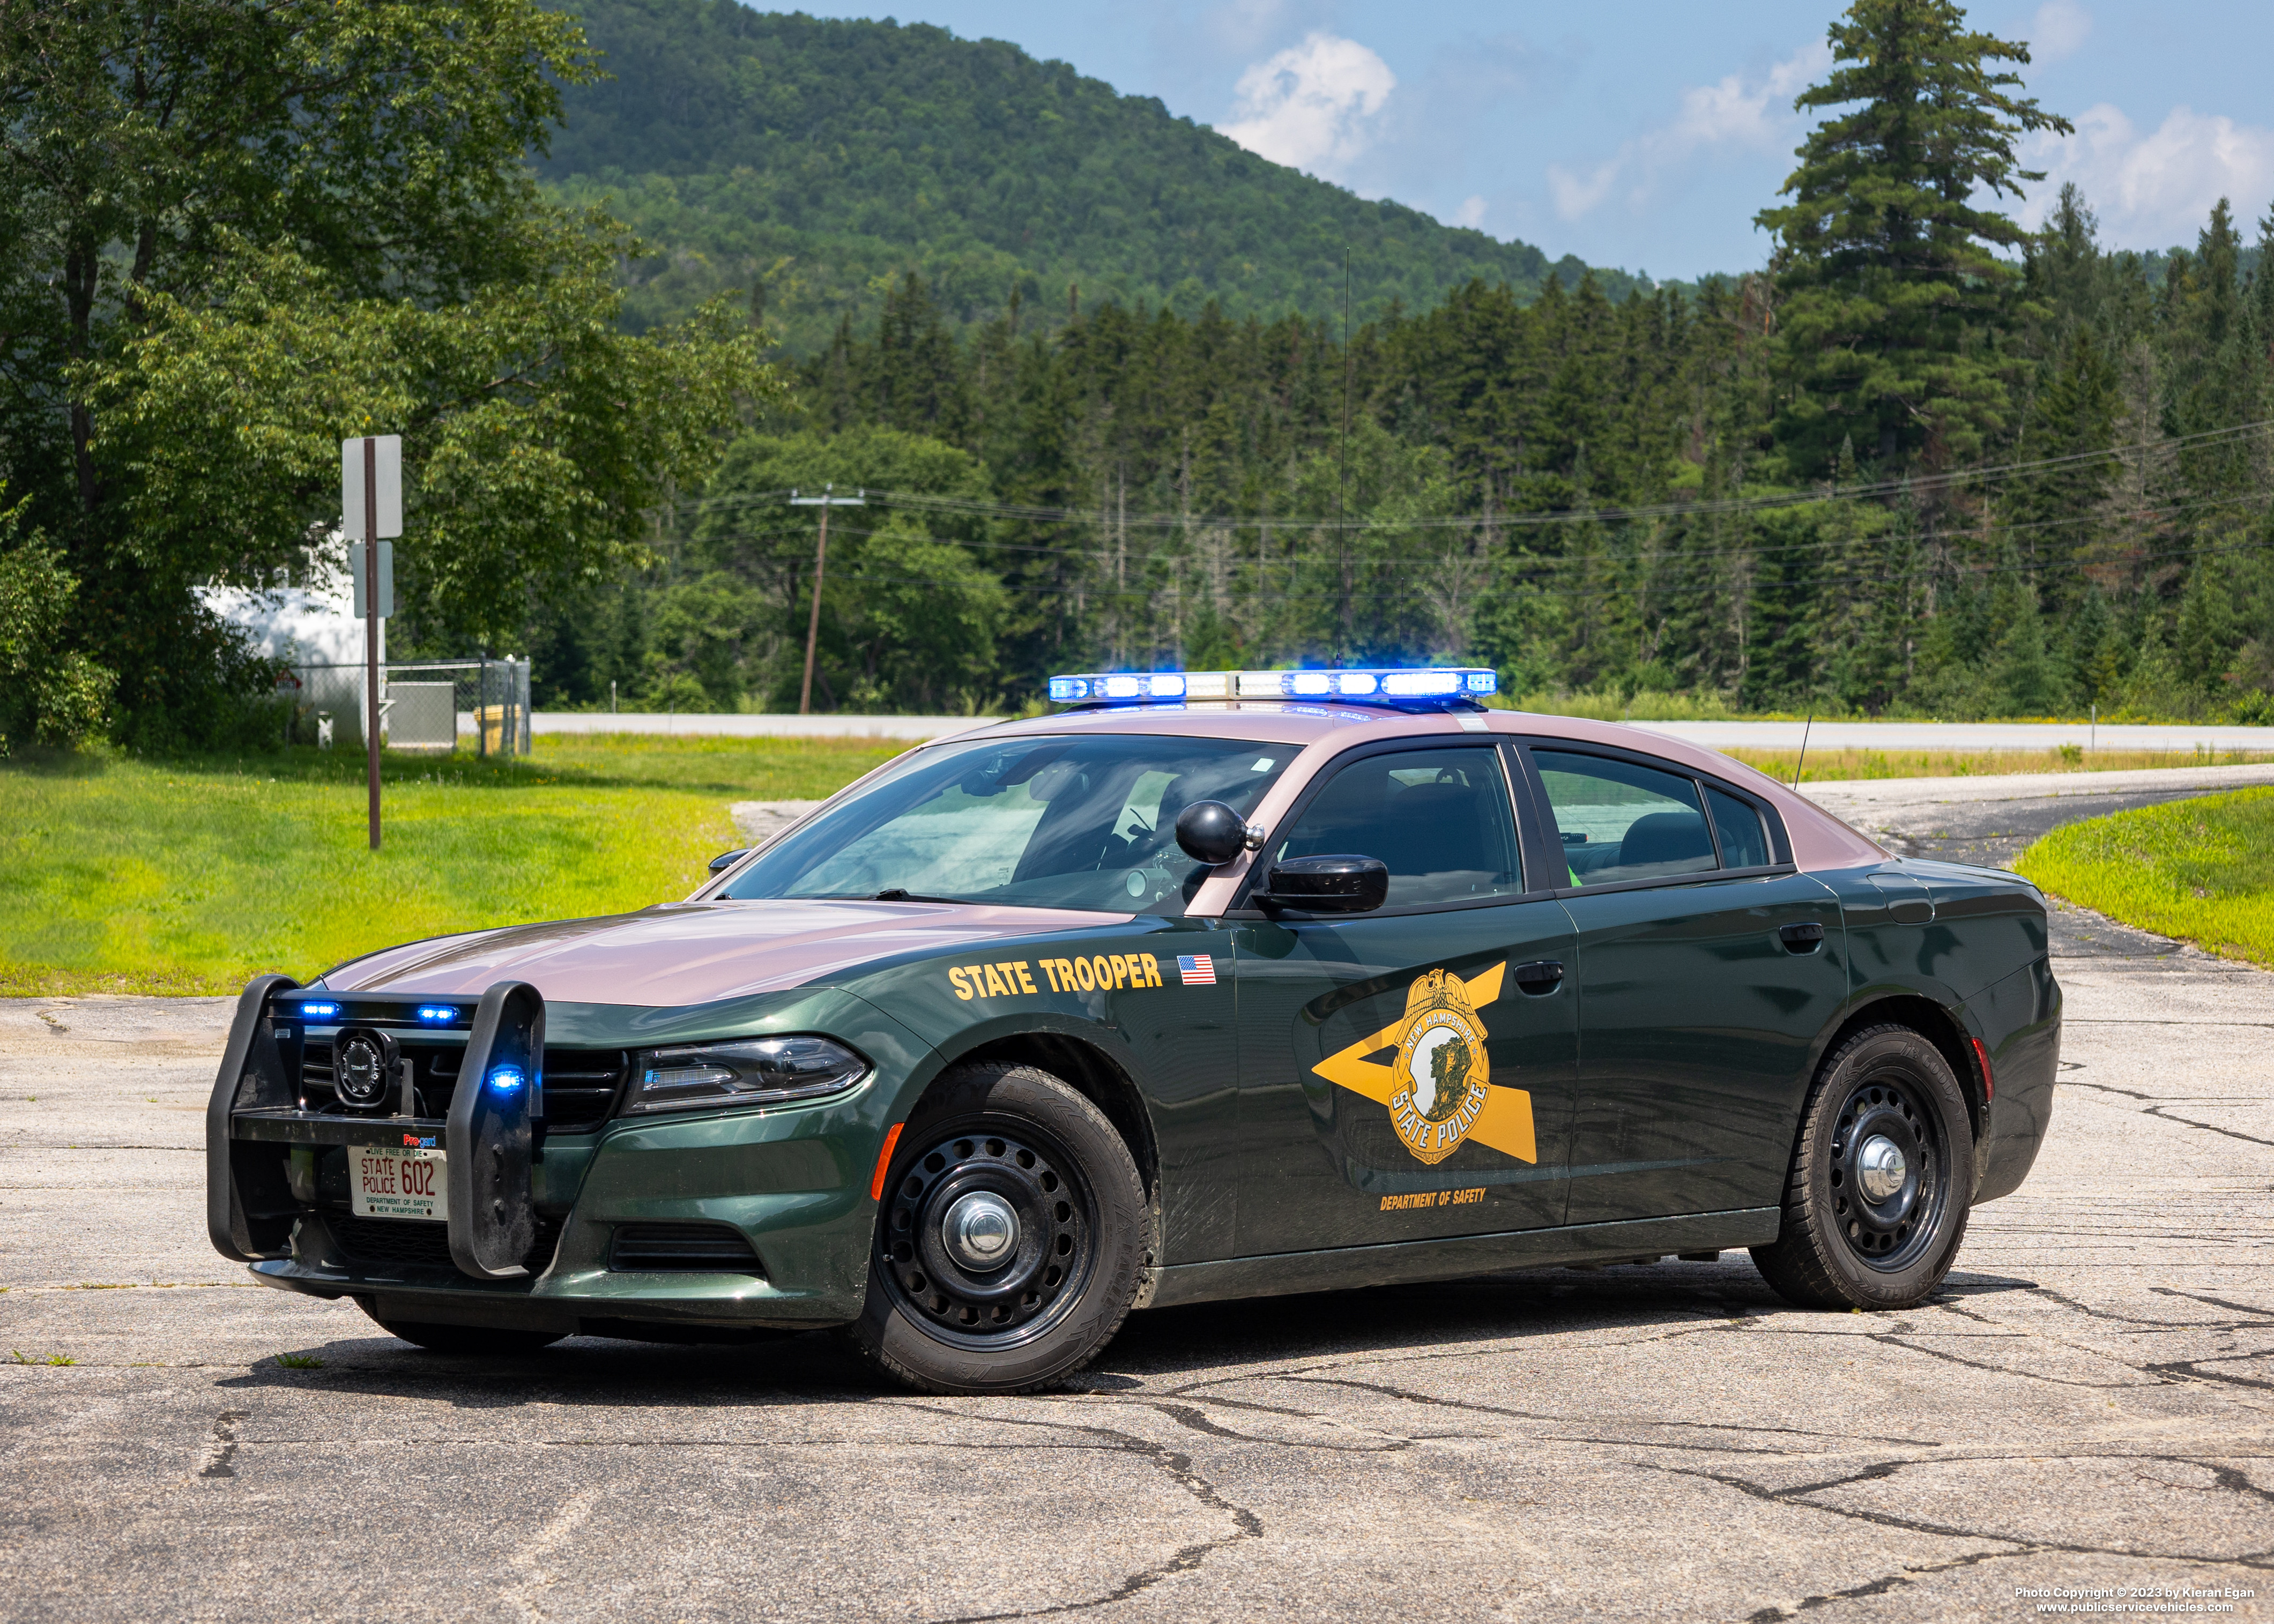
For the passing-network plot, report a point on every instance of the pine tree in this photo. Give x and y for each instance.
(1894, 295)
(2209, 633)
(2085, 634)
(2051, 509)
(2028, 681)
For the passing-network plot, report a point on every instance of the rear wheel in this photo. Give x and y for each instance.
(471, 1340)
(1877, 1202)
(1008, 1246)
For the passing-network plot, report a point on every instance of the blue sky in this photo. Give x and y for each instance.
(1646, 136)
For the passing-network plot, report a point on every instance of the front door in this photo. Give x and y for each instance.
(1407, 1073)
(1705, 971)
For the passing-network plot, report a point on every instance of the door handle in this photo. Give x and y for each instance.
(1542, 975)
(1801, 938)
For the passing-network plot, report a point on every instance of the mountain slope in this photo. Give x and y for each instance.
(818, 158)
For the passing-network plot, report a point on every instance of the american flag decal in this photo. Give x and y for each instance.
(1196, 971)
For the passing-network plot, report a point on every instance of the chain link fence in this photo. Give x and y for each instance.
(481, 706)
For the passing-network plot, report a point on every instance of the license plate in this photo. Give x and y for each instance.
(398, 1184)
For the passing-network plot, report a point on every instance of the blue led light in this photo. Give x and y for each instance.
(437, 1014)
(1377, 684)
(506, 1079)
(319, 1012)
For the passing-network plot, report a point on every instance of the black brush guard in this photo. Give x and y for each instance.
(489, 1135)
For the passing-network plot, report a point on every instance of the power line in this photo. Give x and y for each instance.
(2134, 514)
(1915, 484)
(1985, 571)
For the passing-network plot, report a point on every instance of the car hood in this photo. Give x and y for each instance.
(693, 953)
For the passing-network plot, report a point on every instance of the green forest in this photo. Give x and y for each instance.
(1925, 464)
(1091, 373)
(810, 164)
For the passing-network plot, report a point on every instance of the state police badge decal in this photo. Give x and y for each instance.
(1429, 1068)
(1443, 1076)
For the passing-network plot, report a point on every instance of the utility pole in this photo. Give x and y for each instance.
(824, 501)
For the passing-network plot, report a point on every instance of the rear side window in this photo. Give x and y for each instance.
(1438, 820)
(1745, 839)
(1621, 822)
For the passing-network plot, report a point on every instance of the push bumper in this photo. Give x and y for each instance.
(791, 1180)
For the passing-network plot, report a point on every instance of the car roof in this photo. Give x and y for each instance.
(1820, 840)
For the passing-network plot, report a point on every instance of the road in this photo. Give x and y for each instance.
(1954, 736)
(1990, 821)
(1966, 736)
(2088, 1404)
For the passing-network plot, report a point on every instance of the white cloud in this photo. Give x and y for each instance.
(1313, 106)
(1577, 194)
(2155, 190)
(2058, 30)
(1750, 115)
(1471, 212)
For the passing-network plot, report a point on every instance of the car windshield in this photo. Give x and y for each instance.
(1035, 821)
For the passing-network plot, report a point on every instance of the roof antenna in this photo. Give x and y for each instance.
(1341, 464)
(1803, 761)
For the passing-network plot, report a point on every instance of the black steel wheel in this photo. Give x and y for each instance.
(1010, 1237)
(1878, 1198)
(986, 1239)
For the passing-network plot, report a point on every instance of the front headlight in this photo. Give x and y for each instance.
(753, 1071)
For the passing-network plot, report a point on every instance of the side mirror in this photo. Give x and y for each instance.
(725, 861)
(1211, 832)
(1335, 884)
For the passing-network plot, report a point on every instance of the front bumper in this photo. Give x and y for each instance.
(791, 1180)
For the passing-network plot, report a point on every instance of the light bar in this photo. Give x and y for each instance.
(437, 1014)
(1377, 685)
(319, 1012)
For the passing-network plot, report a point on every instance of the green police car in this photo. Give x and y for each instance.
(1209, 985)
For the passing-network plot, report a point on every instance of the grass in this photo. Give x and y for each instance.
(2201, 870)
(1829, 765)
(299, 1361)
(191, 876)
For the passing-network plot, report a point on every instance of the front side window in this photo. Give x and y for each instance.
(1439, 819)
(1042, 822)
(1618, 820)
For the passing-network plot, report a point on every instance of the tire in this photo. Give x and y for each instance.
(1058, 1202)
(1856, 1236)
(477, 1341)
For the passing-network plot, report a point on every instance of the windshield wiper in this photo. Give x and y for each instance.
(894, 893)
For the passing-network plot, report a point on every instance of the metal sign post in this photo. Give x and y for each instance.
(371, 507)
(824, 501)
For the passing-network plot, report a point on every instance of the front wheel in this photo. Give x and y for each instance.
(1010, 1240)
(1878, 1198)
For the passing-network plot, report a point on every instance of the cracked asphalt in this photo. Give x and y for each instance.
(2089, 1404)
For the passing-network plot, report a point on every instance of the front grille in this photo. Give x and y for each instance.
(410, 1243)
(709, 1246)
(580, 1084)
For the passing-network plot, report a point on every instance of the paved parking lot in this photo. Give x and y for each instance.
(2090, 1403)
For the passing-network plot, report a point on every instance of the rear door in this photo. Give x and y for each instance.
(1407, 1073)
(1705, 968)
